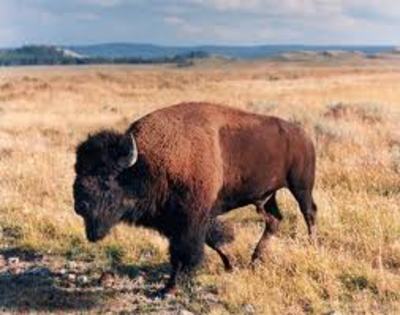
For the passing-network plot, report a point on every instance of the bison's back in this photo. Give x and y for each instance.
(218, 151)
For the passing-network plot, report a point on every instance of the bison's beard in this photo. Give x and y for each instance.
(98, 228)
(134, 210)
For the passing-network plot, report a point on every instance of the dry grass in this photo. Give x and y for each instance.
(351, 112)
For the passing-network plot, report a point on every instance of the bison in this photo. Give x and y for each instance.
(177, 169)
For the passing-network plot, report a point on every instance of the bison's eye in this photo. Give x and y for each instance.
(82, 207)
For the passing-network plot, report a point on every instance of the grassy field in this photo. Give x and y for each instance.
(352, 111)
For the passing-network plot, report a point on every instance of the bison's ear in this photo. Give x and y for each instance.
(128, 151)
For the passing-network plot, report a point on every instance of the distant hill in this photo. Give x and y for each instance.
(53, 55)
(118, 50)
(182, 56)
(121, 50)
(31, 55)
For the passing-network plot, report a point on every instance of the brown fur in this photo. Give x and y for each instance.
(197, 161)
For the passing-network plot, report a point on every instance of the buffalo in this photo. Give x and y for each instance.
(177, 169)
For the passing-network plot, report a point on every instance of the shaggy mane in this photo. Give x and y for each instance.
(98, 152)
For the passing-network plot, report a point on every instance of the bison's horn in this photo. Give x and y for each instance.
(130, 159)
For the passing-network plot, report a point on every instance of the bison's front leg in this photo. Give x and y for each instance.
(186, 253)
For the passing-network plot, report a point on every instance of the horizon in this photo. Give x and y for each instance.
(200, 22)
(244, 45)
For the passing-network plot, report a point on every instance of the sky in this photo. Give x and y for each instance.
(196, 22)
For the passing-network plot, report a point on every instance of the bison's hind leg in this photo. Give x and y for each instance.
(272, 217)
(218, 234)
(308, 209)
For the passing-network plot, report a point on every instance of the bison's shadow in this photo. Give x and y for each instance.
(38, 290)
(27, 292)
(152, 273)
(23, 254)
(153, 276)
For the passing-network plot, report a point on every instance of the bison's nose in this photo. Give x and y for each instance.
(91, 231)
(91, 236)
(92, 239)
(95, 231)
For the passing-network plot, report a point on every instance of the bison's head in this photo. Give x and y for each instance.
(98, 195)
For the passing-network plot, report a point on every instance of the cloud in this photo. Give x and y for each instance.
(364, 9)
(374, 9)
(274, 7)
(200, 21)
(103, 3)
(7, 35)
(291, 21)
(229, 31)
(225, 5)
(174, 20)
(271, 21)
(183, 26)
(86, 16)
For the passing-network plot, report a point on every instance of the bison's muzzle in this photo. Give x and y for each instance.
(95, 231)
